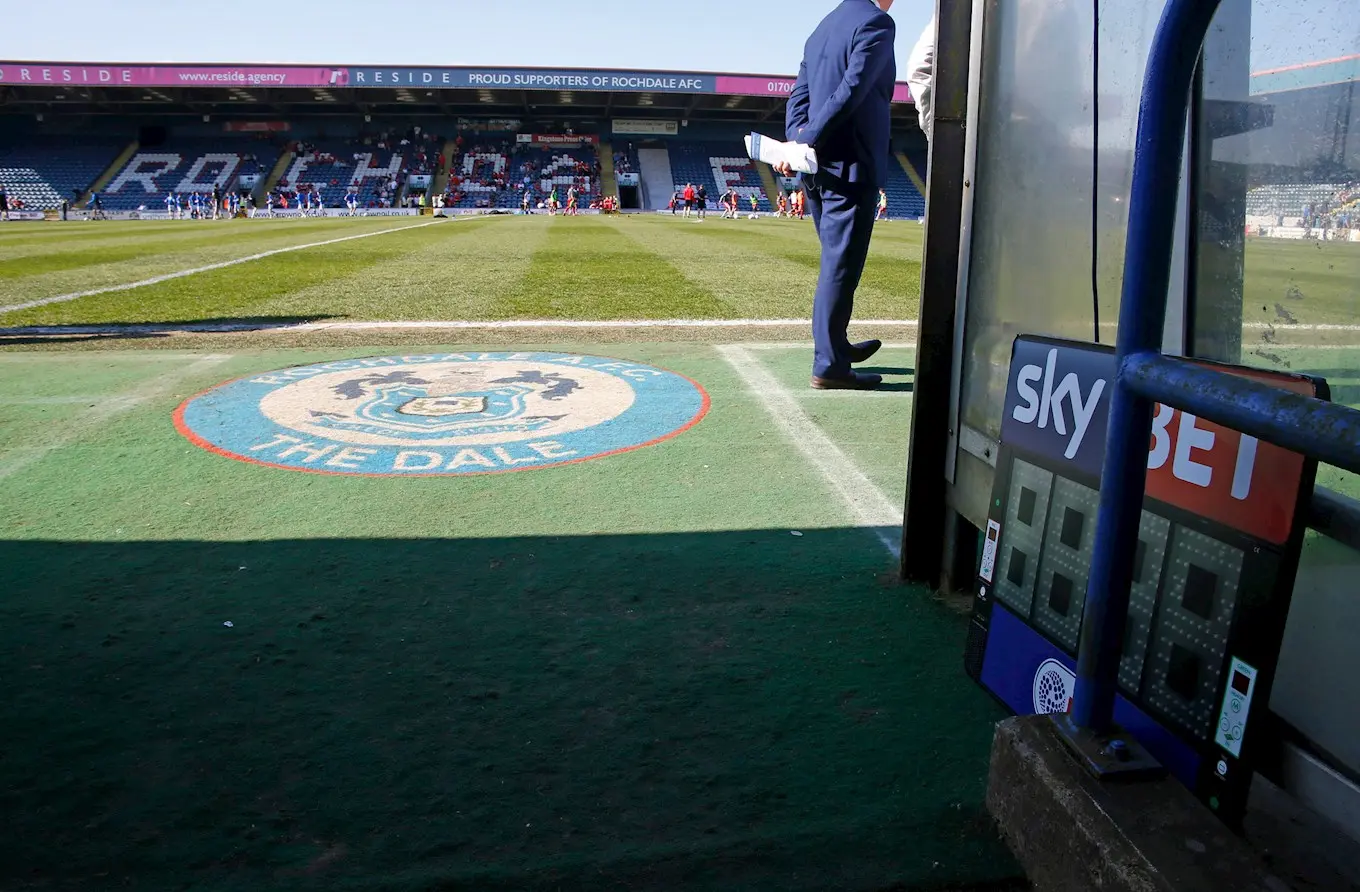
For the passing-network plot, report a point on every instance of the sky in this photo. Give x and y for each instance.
(688, 35)
(682, 35)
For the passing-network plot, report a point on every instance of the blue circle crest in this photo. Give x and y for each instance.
(442, 414)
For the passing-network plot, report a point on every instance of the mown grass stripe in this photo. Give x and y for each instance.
(787, 275)
(184, 237)
(154, 257)
(156, 280)
(235, 293)
(461, 269)
(588, 269)
(718, 256)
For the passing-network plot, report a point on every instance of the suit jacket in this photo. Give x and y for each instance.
(841, 100)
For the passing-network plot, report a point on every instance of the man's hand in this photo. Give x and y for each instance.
(784, 169)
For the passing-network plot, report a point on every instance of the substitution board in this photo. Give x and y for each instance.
(1218, 550)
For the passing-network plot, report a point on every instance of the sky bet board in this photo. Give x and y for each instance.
(1214, 568)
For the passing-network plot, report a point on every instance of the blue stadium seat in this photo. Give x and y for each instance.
(718, 166)
(905, 202)
(473, 176)
(185, 166)
(354, 163)
(40, 172)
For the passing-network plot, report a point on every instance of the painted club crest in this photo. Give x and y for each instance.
(411, 405)
(453, 413)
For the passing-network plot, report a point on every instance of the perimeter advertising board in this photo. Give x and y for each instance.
(58, 74)
(1218, 549)
(644, 127)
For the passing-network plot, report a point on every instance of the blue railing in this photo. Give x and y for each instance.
(1318, 429)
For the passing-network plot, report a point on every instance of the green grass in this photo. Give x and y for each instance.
(1307, 281)
(551, 268)
(620, 674)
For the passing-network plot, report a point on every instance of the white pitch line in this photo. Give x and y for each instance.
(156, 280)
(597, 323)
(867, 503)
(1294, 326)
(88, 399)
(807, 345)
(850, 395)
(18, 356)
(107, 407)
(454, 324)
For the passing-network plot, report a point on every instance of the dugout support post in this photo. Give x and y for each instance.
(927, 530)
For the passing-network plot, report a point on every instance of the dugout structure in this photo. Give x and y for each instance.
(1036, 112)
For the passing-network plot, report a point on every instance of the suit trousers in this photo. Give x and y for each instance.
(843, 215)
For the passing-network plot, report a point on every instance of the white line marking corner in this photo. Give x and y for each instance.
(866, 502)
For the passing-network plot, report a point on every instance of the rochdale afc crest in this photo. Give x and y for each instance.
(442, 414)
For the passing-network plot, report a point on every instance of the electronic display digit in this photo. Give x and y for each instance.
(1022, 535)
(1149, 558)
(1190, 631)
(1066, 561)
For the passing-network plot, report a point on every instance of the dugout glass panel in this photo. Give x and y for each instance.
(1276, 284)
(1054, 146)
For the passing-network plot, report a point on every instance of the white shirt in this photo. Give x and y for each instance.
(921, 76)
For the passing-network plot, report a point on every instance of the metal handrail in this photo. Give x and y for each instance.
(1313, 427)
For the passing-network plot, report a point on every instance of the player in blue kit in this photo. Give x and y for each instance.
(352, 202)
(318, 206)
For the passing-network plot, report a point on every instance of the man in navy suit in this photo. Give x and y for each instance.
(840, 107)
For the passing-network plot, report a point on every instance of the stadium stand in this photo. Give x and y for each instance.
(332, 167)
(1301, 201)
(487, 170)
(43, 171)
(184, 166)
(487, 175)
(920, 159)
(904, 201)
(626, 159)
(718, 166)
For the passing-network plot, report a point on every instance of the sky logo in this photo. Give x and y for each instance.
(1055, 404)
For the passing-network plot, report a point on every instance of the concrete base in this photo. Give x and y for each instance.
(1071, 832)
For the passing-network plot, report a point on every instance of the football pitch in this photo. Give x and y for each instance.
(375, 554)
(498, 268)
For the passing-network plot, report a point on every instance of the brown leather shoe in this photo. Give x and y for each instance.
(856, 381)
